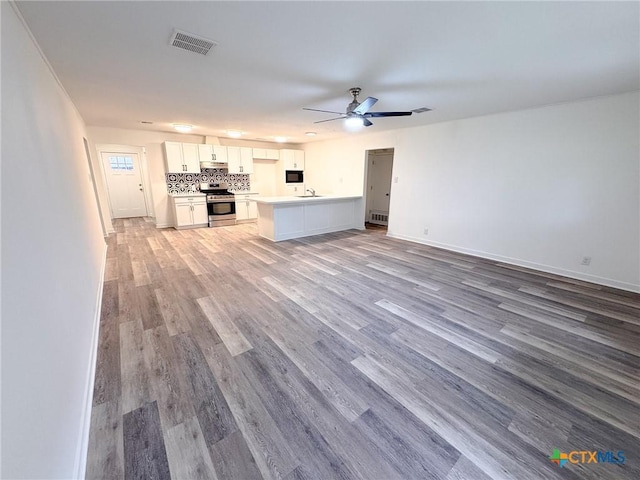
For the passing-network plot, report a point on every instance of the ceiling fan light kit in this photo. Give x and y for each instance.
(354, 122)
(358, 113)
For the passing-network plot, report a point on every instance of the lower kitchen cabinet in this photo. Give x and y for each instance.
(246, 209)
(190, 212)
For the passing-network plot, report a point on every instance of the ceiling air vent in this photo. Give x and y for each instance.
(193, 43)
(421, 110)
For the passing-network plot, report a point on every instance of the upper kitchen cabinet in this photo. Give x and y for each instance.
(191, 157)
(266, 153)
(181, 157)
(293, 159)
(240, 159)
(212, 154)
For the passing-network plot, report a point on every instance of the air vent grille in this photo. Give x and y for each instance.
(379, 217)
(193, 43)
(421, 110)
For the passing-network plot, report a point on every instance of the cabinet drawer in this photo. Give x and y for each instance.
(189, 200)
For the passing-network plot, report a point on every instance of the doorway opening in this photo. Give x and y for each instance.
(378, 188)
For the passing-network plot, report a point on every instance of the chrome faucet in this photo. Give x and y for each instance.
(312, 191)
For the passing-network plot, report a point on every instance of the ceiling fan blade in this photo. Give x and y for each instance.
(366, 122)
(387, 114)
(366, 104)
(330, 119)
(325, 111)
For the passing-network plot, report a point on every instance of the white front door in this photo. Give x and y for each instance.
(124, 183)
(380, 188)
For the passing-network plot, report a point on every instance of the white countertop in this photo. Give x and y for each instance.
(242, 192)
(301, 200)
(187, 194)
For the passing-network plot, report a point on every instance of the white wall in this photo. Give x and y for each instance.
(540, 187)
(52, 258)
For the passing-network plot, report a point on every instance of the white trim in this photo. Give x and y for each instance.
(164, 225)
(80, 465)
(608, 282)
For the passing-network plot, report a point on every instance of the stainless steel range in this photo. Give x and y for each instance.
(221, 204)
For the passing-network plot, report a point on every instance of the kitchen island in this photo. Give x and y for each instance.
(284, 218)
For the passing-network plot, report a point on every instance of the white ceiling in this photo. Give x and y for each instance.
(461, 59)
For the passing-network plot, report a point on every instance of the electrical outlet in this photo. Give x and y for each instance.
(586, 261)
(426, 231)
(395, 179)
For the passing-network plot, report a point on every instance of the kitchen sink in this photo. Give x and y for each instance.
(308, 196)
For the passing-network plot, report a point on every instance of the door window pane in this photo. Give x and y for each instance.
(121, 163)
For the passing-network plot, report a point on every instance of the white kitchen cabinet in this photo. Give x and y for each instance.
(240, 159)
(246, 209)
(292, 159)
(295, 190)
(266, 153)
(273, 154)
(212, 153)
(190, 211)
(190, 157)
(173, 157)
(181, 157)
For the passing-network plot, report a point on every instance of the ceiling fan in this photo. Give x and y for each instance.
(358, 111)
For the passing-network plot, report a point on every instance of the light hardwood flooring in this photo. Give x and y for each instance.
(353, 356)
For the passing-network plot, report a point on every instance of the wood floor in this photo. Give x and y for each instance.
(353, 356)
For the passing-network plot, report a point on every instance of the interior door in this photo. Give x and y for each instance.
(380, 188)
(124, 183)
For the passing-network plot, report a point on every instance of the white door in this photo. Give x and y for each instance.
(380, 188)
(124, 183)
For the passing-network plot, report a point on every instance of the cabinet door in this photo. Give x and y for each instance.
(200, 215)
(184, 217)
(173, 157)
(286, 156)
(272, 154)
(298, 159)
(246, 159)
(233, 157)
(293, 159)
(219, 153)
(205, 153)
(242, 210)
(190, 157)
(252, 208)
(259, 153)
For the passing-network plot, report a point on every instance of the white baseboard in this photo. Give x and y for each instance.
(83, 445)
(524, 263)
(164, 225)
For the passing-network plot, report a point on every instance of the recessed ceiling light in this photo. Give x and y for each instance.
(353, 122)
(280, 139)
(310, 134)
(146, 122)
(182, 128)
(234, 133)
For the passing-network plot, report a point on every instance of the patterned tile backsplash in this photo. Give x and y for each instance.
(182, 182)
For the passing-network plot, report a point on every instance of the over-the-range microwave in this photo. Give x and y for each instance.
(294, 176)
